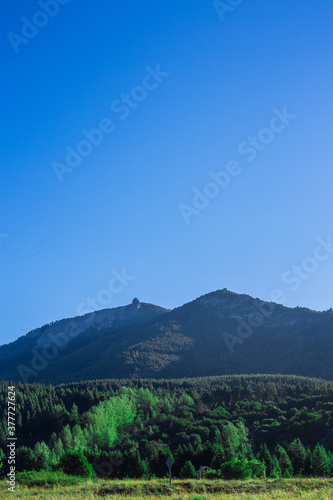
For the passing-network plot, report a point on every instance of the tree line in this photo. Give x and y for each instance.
(238, 426)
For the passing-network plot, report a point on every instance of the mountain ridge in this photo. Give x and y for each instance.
(219, 333)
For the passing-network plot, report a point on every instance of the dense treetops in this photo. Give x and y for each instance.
(237, 425)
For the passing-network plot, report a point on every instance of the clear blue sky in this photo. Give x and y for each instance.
(119, 208)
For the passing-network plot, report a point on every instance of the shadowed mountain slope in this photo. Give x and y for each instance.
(219, 333)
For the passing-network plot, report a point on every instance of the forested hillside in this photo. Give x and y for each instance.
(217, 334)
(134, 425)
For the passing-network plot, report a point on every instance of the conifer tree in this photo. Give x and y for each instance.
(297, 455)
(284, 461)
(74, 414)
(219, 456)
(319, 461)
(307, 466)
(276, 469)
(330, 462)
(265, 457)
(188, 470)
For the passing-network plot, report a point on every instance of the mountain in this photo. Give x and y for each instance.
(219, 333)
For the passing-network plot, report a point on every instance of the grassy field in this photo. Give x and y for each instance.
(275, 489)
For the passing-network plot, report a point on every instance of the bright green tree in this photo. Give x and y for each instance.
(146, 401)
(42, 456)
(79, 441)
(104, 421)
(231, 440)
(66, 437)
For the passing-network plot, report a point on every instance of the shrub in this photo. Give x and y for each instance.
(212, 474)
(25, 459)
(45, 479)
(75, 463)
(236, 469)
(258, 468)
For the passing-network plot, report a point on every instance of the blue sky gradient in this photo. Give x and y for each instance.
(61, 242)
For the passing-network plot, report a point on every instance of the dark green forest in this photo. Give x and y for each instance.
(259, 425)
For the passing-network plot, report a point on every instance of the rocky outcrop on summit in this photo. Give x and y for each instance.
(220, 333)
